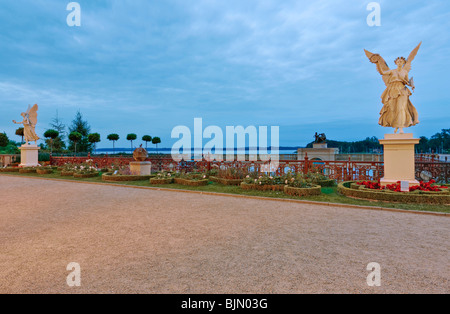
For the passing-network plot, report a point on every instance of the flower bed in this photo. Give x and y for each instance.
(122, 178)
(351, 189)
(430, 186)
(261, 187)
(307, 191)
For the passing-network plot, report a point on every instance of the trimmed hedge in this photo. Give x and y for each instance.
(85, 175)
(161, 181)
(67, 173)
(11, 169)
(246, 186)
(24, 170)
(292, 191)
(327, 183)
(122, 178)
(188, 182)
(226, 181)
(44, 171)
(439, 198)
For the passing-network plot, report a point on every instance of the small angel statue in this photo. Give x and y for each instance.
(398, 112)
(29, 124)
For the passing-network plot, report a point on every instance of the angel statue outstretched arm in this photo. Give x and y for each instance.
(398, 111)
(29, 124)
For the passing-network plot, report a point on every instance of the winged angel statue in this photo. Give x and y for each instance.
(29, 124)
(398, 112)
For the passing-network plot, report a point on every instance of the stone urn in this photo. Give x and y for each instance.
(140, 167)
(140, 154)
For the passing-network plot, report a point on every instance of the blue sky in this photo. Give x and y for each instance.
(145, 67)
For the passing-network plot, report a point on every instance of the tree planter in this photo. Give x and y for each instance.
(188, 182)
(67, 173)
(85, 175)
(246, 186)
(27, 170)
(161, 181)
(438, 198)
(226, 181)
(9, 169)
(123, 178)
(44, 171)
(292, 191)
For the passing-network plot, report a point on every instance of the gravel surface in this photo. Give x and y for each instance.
(147, 241)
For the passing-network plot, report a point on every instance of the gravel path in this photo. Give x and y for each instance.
(146, 241)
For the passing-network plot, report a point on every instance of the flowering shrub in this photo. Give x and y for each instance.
(299, 180)
(428, 187)
(164, 175)
(232, 174)
(371, 185)
(85, 168)
(396, 187)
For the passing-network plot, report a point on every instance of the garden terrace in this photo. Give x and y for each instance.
(335, 170)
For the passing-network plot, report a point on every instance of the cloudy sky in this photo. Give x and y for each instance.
(144, 67)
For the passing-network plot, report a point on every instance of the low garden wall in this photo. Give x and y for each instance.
(123, 178)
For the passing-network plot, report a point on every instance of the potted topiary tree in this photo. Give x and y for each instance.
(131, 137)
(113, 138)
(156, 141)
(75, 137)
(51, 135)
(147, 139)
(94, 138)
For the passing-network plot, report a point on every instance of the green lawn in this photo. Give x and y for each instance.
(329, 194)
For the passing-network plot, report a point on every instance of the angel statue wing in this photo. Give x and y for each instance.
(411, 57)
(382, 66)
(32, 114)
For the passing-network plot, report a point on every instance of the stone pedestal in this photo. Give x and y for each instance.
(320, 151)
(399, 158)
(141, 168)
(29, 156)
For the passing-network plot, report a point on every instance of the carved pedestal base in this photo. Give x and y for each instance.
(141, 168)
(399, 158)
(29, 156)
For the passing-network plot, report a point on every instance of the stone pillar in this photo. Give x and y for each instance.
(399, 158)
(29, 156)
(141, 168)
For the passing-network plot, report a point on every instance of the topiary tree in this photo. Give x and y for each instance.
(4, 140)
(51, 135)
(113, 137)
(156, 141)
(75, 137)
(94, 138)
(131, 137)
(146, 139)
(20, 132)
